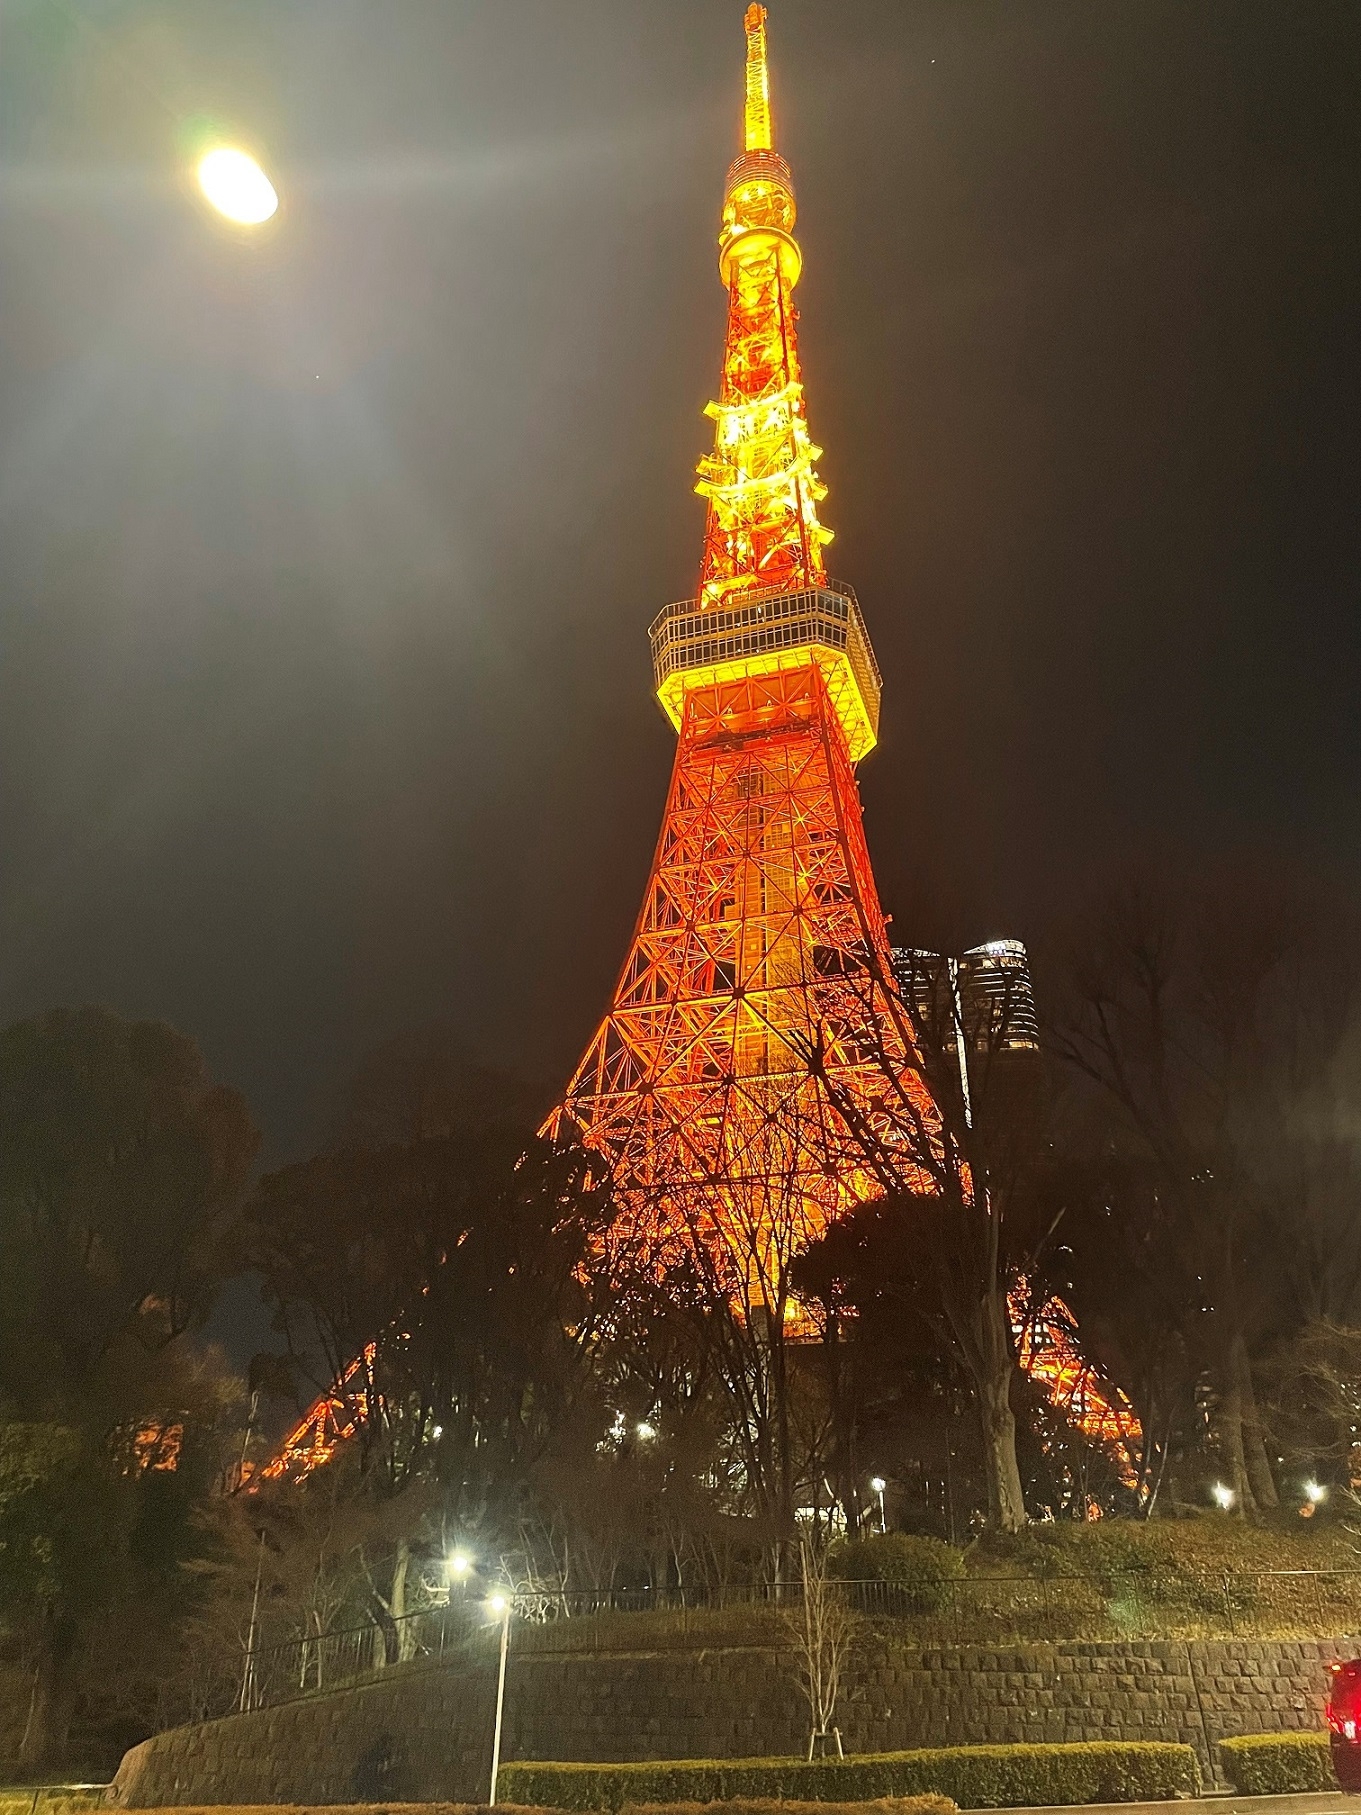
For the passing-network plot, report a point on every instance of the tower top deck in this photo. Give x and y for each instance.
(764, 602)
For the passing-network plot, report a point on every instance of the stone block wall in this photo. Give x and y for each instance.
(423, 1732)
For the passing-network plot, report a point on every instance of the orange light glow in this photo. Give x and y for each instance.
(757, 136)
(763, 533)
(1049, 1351)
(328, 1422)
(156, 1448)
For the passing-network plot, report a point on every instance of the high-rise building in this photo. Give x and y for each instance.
(983, 997)
(759, 966)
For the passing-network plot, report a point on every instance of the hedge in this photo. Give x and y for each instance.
(1274, 1764)
(335, 1808)
(976, 1777)
(49, 1799)
(887, 1805)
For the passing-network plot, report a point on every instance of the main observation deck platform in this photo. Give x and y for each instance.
(757, 633)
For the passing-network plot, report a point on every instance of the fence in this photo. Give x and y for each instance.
(979, 1610)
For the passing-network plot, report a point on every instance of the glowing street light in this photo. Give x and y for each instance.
(1314, 1493)
(498, 1605)
(1223, 1496)
(460, 1563)
(236, 186)
(877, 1485)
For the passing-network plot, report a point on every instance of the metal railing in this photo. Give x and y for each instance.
(687, 635)
(968, 1610)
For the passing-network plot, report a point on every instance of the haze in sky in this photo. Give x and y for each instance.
(327, 556)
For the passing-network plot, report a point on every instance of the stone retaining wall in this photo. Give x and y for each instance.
(423, 1732)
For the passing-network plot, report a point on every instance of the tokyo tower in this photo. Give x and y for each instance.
(759, 964)
(755, 1019)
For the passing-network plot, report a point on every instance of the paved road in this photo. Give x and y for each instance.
(1313, 1802)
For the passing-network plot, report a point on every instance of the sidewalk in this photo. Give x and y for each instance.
(1225, 1802)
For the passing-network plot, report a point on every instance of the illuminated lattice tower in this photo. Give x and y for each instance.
(759, 965)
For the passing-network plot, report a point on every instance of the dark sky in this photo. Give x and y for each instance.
(327, 558)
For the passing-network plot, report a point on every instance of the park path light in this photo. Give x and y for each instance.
(1224, 1496)
(459, 1563)
(499, 1606)
(236, 186)
(877, 1485)
(1315, 1492)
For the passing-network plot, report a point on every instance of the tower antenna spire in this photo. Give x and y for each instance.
(758, 132)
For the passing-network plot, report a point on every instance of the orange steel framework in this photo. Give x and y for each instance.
(327, 1423)
(1049, 1350)
(761, 940)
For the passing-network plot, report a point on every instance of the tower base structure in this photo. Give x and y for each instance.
(759, 971)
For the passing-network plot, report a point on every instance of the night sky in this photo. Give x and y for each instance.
(327, 557)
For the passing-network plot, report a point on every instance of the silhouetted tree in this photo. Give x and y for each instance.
(1213, 1018)
(122, 1166)
(958, 1246)
(466, 1263)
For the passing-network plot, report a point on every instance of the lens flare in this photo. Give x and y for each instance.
(236, 186)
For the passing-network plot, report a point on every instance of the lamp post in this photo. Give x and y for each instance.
(499, 1604)
(877, 1485)
(249, 1681)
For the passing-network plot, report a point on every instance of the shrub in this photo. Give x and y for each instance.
(921, 1566)
(1110, 1549)
(975, 1777)
(895, 1556)
(885, 1805)
(45, 1799)
(1275, 1764)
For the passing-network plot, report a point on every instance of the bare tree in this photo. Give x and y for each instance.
(823, 1630)
(1211, 1014)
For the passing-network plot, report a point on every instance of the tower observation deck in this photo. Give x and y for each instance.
(759, 966)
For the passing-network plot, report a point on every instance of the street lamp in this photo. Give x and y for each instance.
(236, 186)
(460, 1563)
(877, 1485)
(499, 1607)
(1223, 1496)
(1314, 1493)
